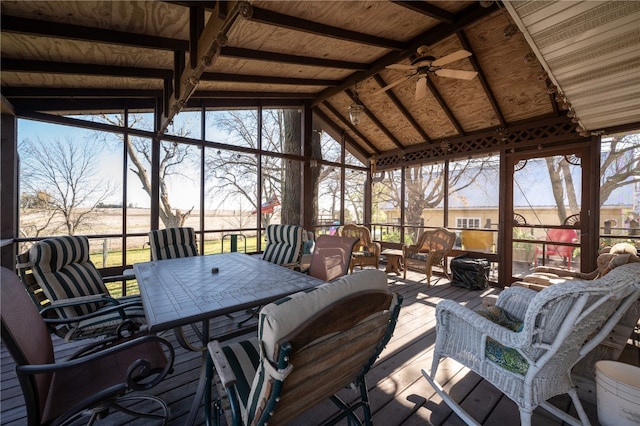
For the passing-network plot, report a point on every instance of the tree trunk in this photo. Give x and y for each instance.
(291, 187)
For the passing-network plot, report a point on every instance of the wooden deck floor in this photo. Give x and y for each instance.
(399, 395)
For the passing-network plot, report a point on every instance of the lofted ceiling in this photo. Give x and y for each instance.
(62, 56)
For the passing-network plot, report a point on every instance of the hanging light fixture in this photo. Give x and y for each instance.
(356, 109)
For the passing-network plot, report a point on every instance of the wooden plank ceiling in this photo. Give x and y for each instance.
(77, 55)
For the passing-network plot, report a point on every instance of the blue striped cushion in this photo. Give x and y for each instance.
(62, 268)
(244, 360)
(284, 244)
(172, 243)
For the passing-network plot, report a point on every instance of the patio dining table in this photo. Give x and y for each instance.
(190, 290)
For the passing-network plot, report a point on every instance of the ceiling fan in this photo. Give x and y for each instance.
(424, 64)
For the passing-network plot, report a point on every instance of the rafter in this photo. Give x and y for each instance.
(482, 77)
(441, 31)
(38, 27)
(376, 121)
(261, 55)
(428, 10)
(265, 16)
(443, 104)
(209, 43)
(403, 110)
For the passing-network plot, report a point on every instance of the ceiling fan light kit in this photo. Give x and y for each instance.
(424, 64)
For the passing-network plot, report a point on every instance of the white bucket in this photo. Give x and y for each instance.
(618, 393)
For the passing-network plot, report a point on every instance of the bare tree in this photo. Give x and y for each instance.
(620, 165)
(173, 157)
(233, 174)
(63, 179)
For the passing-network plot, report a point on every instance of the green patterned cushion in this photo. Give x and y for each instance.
(508, 358)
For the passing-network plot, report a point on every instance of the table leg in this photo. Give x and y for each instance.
(394, 264)
(202, 380)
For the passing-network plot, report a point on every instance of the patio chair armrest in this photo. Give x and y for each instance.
(224, 370)
(138, 374)
(126, 275)
(81, 300)
(69, 302)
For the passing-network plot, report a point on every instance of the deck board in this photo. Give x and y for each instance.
(399, 394)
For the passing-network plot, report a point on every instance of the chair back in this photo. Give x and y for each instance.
(473, 239)
(172, 243)
(26, 337)
(315, 343)
(439, 239)
(360, 232)
(62, 268)
(331, 257)
(284, 244)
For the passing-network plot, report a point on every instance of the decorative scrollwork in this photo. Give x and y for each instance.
(573, 159)
(246, 11)
(519, 165)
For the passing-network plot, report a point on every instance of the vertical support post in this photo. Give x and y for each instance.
(9, 189)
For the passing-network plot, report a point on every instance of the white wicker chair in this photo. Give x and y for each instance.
(558, 326)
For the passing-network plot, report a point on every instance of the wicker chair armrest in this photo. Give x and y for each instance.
(515, 300)
(410, 249)
(375, 248)
(224, 370)
(560, 272)
(457, 320)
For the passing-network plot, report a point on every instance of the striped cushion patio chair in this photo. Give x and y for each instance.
(172, 243)
(284, 244)
(70, 292)
(175, 243)
(309, 346)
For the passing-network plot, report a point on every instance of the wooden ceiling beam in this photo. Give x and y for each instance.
(14, 24)
(263, 79)
(428, 9)
(441, 31)
(249, 94)
(482, 78)
(75, 93)
(403, 110)
(209, 43)
(261, 55)
(25, 65)
(436, 94)
(269, 17)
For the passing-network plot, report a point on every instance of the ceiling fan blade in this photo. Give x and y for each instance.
(460, 54)
(462, 75)
(421, 87)
(400, 67)
(394, 84)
